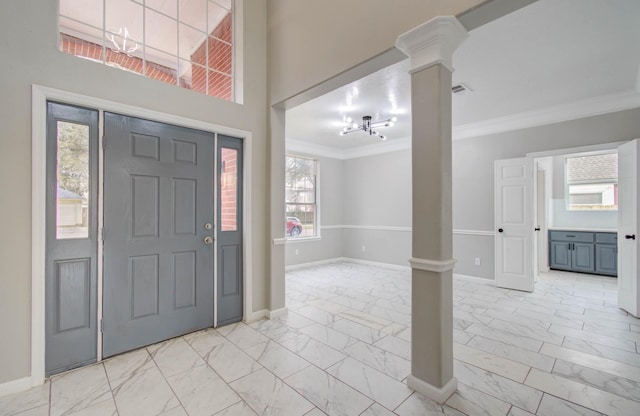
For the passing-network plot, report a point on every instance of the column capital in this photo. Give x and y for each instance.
(433, 42)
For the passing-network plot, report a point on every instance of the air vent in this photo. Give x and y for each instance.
(460, 89)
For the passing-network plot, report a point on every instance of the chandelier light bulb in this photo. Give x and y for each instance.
(349, 120)
(394, 119)
(354, 125)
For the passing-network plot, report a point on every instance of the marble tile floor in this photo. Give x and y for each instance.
(344, 349)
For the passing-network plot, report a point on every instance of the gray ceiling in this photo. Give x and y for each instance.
(552, 55)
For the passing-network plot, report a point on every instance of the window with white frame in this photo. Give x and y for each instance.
(188, 43)
(592, 182)
(301, 196)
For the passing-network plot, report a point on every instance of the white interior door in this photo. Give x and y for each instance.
(628, 294)
(514, 223)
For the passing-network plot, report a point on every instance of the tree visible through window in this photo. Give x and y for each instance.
(301, 196)
(592, 182)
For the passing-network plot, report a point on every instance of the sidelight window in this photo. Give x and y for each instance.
(301, 197)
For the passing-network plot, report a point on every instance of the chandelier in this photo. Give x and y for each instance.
(368, 126)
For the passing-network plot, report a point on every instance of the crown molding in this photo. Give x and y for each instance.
(556, 114)
(377, 148)
(432, 42)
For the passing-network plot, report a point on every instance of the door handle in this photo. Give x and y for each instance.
(630, 236)
(208, 240)
(500, 230)
(536, 229)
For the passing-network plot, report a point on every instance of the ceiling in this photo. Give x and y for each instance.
(550, 61)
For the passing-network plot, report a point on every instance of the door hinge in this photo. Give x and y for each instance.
(104, 142)
(101, 329)
(102, 234)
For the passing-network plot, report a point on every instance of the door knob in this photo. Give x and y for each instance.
(500, 230)
(630, 236)
(208, 240)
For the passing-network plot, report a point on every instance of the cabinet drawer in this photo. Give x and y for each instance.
(574, 236)
(607, 238)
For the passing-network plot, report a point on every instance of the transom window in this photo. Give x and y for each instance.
(592, 182)
(188, 43)
(301, 197)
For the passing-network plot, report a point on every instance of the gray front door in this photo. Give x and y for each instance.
(71, 237)
(158, 251)
(229, 231)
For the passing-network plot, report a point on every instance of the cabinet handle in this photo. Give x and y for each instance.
(500, 230)
(536, 229)
(630, 236)
(570, 236)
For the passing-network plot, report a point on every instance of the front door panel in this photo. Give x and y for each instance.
(71, 243)
(229, 235)
(158, 268)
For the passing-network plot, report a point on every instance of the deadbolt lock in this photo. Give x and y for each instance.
(208, 226)
(208, 240)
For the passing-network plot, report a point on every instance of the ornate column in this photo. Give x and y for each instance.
(430, 47)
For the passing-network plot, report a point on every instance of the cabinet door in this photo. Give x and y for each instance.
(582, 257)
(607, 259)
(560, 256)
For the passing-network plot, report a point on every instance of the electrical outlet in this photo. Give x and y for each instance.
(297, 252)
(364, 249)
(477, 261)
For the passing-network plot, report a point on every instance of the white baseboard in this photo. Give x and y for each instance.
(476, 279)
(378, 264)
(278, 312)
(15, 386)
(256, 316)
(439, 395)
(314, 264)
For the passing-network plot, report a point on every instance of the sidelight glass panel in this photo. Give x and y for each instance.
(72, 172)
(228, 189)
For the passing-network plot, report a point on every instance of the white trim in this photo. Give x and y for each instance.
(16, 386)
(378, 264)
(277, 313)
(432, 42)
(437, 266)
(279, 241)
(314, 264)
(594, 148)
(256, 316)
(555, 114)
(40, 95)
(367, 227)
(476, 279)
(294, 240)
(332, 227)
(474, 232)
(318, 150)
(439, 395)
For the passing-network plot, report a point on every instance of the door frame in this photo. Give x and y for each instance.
(40, 95)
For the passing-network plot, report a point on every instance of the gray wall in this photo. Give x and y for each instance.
(473, 171)
(29, 50)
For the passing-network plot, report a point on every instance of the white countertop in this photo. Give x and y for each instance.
(591, 230)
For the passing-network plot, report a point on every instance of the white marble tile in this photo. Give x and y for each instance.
(295, 321)
(175, 356)
(244, 336)
(273, 329)
(581, 394)
(377, 410)
(461, 337)
(621, 386)
(473, 402)
(143, 394)
(516, 411)
(604, 351)
(129, 363)
(595, 338)
(328, 306)
(230, 362)
(506, 337)
(329, 336)
(313, 351)
(203, 341)
(20, 402)
(194, 389)
(520, 355)
(318, 315)
(279, 360)
(523, 330)
(553, 406)
(105, 408)
(383, 361)
(497, 386)
(490, 362)
(356, 330)
(603, 329)
(79, 389)
(36, 411)
(315, 412)
(269, 396)
(326, 392)
(376, 385)
(365, 319)
(176, 411)
(396, 346)
(591, 361)
(238, 409)
(418, 405)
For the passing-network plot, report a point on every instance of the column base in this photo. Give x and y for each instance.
(438, 395)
